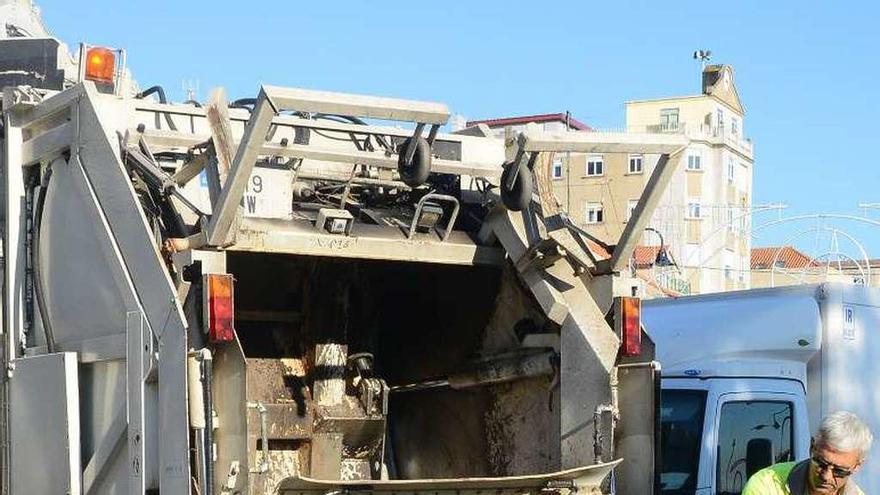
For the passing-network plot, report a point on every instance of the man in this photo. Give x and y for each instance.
(836, 452)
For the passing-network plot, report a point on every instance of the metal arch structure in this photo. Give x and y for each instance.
(824, 216)
(793, 237)
(818, 216)
(687, 260)
(839, 255)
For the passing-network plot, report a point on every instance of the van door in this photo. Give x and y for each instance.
(753, 431)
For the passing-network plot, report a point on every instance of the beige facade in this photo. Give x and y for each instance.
(704, 217)
(810, 275)
(862, 272)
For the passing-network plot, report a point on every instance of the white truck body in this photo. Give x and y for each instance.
(761, 364)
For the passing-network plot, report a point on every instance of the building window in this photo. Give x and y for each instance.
(859, 280)
(595, 213)
(730, 225)
(731, 170)
(595, 165)
(635, 164)
(557, 168)
(693, 209)
(720, 118)
(630, 208)
(779, 264)
(668, 119)
(734, 126)
(695, 161)
(728, 272)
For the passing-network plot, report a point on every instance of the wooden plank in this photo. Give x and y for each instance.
(190, 169)
(226, 206)
(217, 113)
(550, 204)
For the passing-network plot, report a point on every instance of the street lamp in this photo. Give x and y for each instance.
(662, 258)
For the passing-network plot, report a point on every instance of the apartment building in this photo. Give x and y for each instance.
(703, 221)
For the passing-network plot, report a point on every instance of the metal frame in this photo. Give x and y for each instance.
(530, 144)
(273, 100)
(120, 67)
(162, 140)
(71, 123)
(441, 198)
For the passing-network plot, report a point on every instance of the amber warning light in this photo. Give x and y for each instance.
(100, 64)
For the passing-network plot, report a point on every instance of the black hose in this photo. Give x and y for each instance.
(151, 90)
(38, 273)
(208, 376)
(158, 90)
(353, 120)
(246, 103)
(29, 257)
(193, 102)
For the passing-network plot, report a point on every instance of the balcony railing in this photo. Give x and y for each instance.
(714, 134)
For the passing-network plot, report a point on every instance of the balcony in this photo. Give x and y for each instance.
(704, 132)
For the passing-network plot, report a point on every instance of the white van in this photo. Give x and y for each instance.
(748, 375)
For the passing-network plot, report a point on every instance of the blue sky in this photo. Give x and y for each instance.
(806, 71)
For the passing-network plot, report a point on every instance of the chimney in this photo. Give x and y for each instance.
(711, 75)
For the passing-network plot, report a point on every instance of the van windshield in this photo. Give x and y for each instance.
(681, 432)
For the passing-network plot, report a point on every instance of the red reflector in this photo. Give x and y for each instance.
(631, 331)
(220, 312)
(100, 65)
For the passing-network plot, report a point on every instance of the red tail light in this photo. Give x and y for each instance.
(219, 309)
(630, 324)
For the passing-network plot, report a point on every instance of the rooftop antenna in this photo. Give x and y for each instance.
(191, 88)
(703, 56)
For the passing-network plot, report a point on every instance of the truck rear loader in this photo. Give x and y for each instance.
(283, 295)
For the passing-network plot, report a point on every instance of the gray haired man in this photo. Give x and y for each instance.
(837, 451)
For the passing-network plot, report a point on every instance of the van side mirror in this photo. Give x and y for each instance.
(759, 454)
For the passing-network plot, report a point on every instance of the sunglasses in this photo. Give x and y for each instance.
(836, 471)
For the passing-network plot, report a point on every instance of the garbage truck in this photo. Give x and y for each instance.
(286, 294)
(748, 376)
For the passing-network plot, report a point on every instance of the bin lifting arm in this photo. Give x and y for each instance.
(531, 144)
